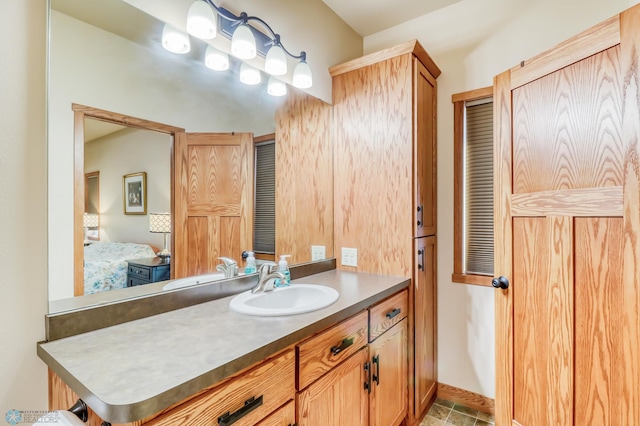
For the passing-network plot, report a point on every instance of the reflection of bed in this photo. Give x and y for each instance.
(105, 264)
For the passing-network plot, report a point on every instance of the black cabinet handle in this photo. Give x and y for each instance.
(394, 313)
(249, 405)
(421, 260)
(420, 215)
(376, 376)
(346, 342)
(367, 370)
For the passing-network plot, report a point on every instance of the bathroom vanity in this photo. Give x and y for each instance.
(205, 364)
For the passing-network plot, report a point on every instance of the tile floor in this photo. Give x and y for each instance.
(447, 413)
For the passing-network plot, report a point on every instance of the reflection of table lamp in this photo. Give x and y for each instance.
(89, 220)
(161, 223)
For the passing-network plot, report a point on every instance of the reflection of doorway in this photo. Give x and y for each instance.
(92, 201)
(81, 197)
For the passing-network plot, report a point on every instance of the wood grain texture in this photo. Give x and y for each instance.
(543, 320)
(379, 322)
(605, 201)
(125, 120)
(503, 244)
(592, 41)
(567, 127)
(315, 357)
(373, 121)
(466, 398)
(481, 280)
(273, 380)
(284, 416)
(78, 203)
(338, 398)
(304, 177)
(599, 374)
(472, 95)
(388, 399)
(630, 336)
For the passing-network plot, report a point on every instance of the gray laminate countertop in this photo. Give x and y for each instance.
(130, 371)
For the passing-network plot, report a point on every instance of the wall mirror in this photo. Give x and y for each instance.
(106, 54)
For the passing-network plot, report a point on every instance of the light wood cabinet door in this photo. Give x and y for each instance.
(388, 354)
(425, 323)
(284, 416)
(339, 397)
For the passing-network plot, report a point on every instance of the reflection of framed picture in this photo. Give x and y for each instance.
(134, 193)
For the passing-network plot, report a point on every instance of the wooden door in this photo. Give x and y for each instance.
(213, 200)
(567, 227)
(425, 323)
(338, 397)
(388, 355)
(424, 151)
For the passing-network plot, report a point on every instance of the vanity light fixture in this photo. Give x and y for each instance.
(276, 87)
(249, 75)
(161, 223)
(243, 39)
(174, 40)
(215, 59)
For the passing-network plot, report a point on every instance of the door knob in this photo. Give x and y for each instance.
(500, 282)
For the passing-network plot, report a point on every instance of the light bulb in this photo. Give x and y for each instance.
(276, 61)
(243, 43)
(174, 40)
(215, 59)
(249, 75)
(276, 87)
(202, 21)
(302, 78)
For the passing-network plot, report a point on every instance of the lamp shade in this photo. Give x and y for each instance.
(249, 75)
(202, 21)
(302, 78)
(275, 62)
(243, 43)
(90, 220)
(216, 60)
(160, 222)
(174, 40)
(276, 87)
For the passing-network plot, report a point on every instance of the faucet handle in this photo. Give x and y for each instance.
(227, 261)
(266, 268)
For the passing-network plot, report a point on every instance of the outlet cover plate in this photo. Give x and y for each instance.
(318, 253)
(349, 256)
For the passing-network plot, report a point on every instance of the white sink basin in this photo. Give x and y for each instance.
(295, 299)
(189, 281)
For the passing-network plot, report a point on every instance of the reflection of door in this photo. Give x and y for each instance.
(568, 232)
(213, 200)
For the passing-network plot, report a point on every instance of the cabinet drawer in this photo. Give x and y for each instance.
(134, 281)
(285, 416)
(270, 384)
(139, 272)
(387, 313)
(321, 353)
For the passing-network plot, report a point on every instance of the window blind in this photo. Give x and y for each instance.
(264, 232)
(478, 228)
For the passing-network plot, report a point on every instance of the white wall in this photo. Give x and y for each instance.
(23, 205)
(472, 41)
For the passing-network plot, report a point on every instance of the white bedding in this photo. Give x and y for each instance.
(105, 264)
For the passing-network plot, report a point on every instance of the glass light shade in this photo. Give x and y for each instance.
(174, 40)
(249, 75)
(276, 61)
(90, 220)
(160, 222)
(216, 60)
(302, 78)
(276, 87)
(202, 21)
(243, 43)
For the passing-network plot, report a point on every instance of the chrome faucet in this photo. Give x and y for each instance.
(266, 276)
(229, 267)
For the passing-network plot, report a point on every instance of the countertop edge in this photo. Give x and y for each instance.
(143, 409)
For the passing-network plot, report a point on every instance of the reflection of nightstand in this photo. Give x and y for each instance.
(145, 271)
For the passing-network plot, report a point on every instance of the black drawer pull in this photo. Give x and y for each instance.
(394, 313)
(346, 342)
(249, 405)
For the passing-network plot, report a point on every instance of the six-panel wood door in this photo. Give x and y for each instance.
(567, 226)
(213, 200)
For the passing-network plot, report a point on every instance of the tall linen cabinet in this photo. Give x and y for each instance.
(385, 187)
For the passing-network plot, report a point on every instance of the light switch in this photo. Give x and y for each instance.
(318, 253)
(349, 256)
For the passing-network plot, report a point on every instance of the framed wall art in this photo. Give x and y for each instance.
(134, 193)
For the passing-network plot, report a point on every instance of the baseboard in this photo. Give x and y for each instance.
(467, 398)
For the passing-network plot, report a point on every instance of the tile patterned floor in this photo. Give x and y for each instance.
(447, 413)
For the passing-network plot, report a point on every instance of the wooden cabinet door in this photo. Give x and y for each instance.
(339, 397)
(388, 355)
(424, 151)
(425, 323)
(567, 232)
(213, 200)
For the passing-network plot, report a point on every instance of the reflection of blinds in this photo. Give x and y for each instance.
(264, 234)
(479, 189)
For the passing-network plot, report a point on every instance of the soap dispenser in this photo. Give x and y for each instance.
(250, 266)
(283, 267)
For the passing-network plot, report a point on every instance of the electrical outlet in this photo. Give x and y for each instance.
(349, 256)
(318, 253)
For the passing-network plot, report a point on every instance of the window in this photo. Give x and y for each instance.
(264, 219)
(473, 187)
